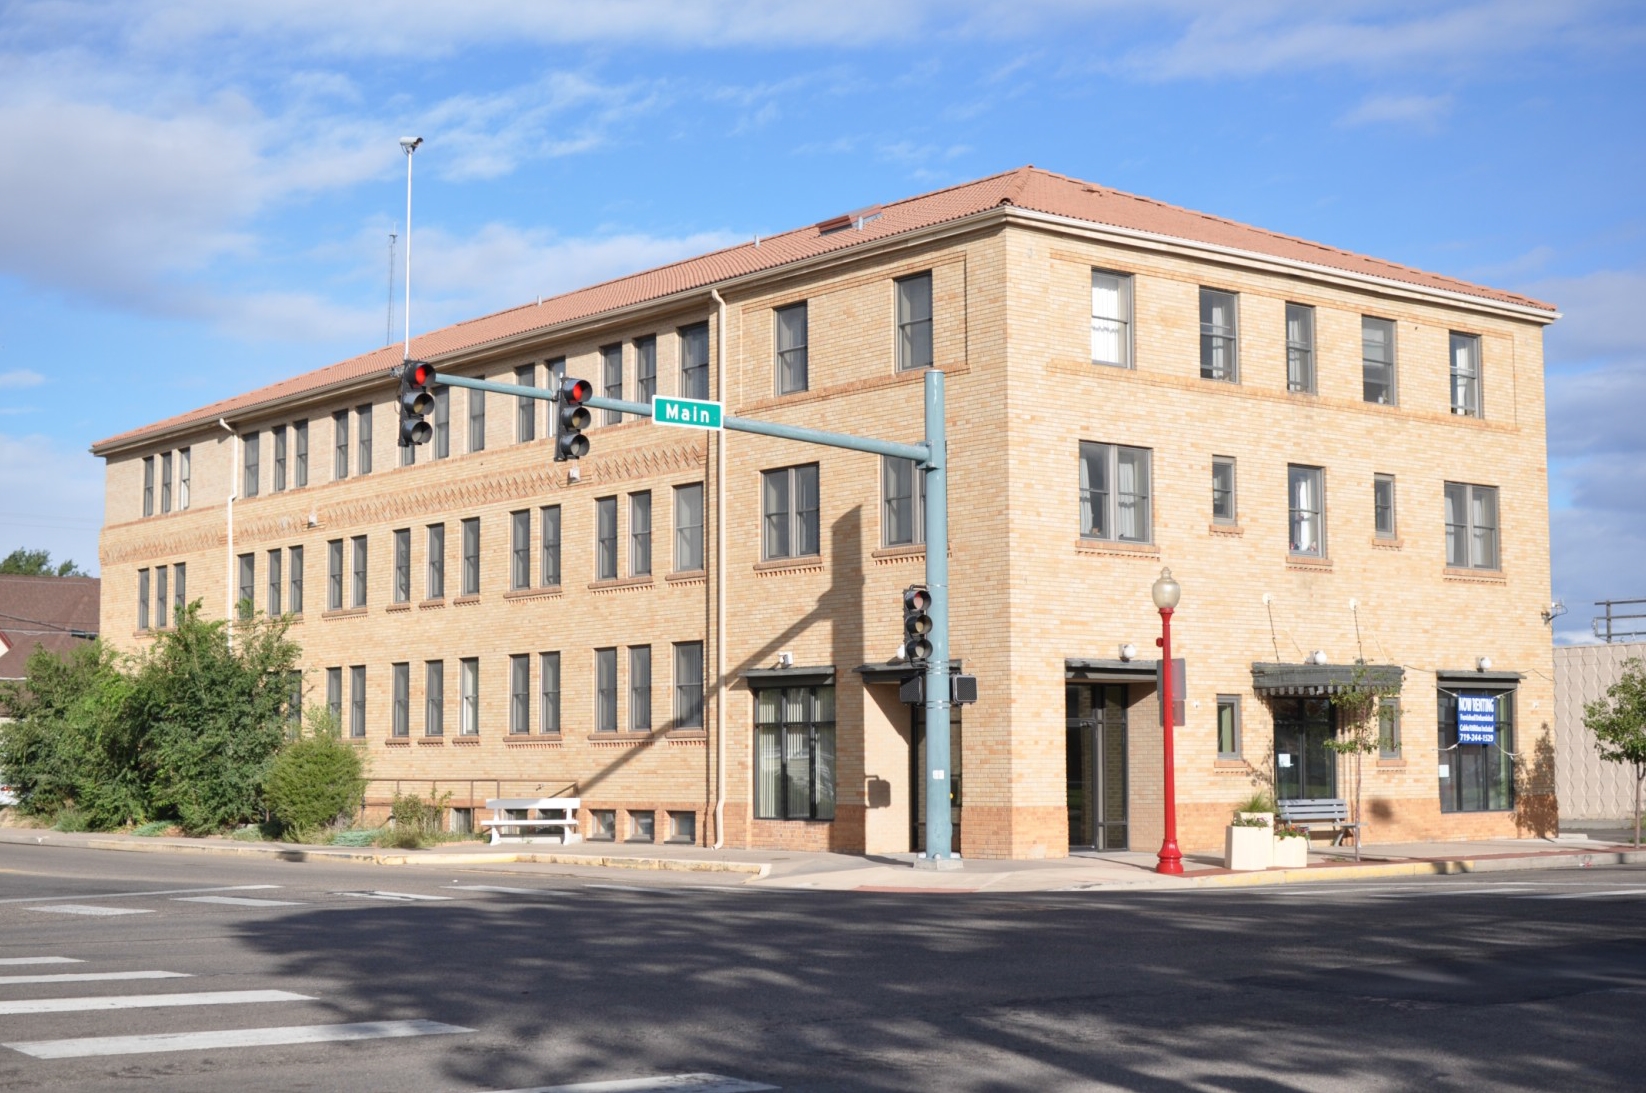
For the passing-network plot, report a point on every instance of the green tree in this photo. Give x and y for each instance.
(1357, 705)
(1619, 724)
(37, 563)
(314, 778)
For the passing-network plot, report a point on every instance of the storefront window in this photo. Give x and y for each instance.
(1477, 777)
(794, 753)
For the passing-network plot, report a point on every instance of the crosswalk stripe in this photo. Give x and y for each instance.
(11, 961)
(86, 977)
(674, 1083)
(138, 895)
(146, 1001)
(401, 897)
(87, 909)
(1594, 895)
(625, 887)
(238, 901)
(505, 891)
(229, 1038)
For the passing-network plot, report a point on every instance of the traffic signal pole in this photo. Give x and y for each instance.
(931, 456)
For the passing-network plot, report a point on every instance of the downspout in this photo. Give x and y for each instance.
(720, 582)
(228, 565)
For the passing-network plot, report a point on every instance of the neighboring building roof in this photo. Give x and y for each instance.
(55, 612)
(1027, 188)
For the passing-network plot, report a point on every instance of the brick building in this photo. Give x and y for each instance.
(1340, 458)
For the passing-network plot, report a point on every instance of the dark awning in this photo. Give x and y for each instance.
(896, 671)
(1465, 679)
(1310, 680)
(1092, 670)
(815, 676)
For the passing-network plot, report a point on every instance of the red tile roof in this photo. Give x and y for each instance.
(1024, 188)
(46, 611)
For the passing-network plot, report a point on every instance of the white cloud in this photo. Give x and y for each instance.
(1423, 112)
(50, 498)
(1602, 316)
(18, 378)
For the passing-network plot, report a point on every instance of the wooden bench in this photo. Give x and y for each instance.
(512, 818)
(1306, 812)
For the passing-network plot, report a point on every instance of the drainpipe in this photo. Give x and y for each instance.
(720, 582)
(228, 567)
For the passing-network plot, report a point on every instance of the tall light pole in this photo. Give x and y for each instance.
(1166, 592)
(409, 145)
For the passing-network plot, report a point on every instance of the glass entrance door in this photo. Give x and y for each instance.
(1095, 731)
(1304, 766)
(917, 775)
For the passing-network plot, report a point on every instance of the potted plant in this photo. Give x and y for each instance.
(1260, 804)
(1248, 844)
(1291, 846)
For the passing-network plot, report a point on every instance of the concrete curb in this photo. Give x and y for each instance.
(1433, 868)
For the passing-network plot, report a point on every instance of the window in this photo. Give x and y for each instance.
(279, 458)
(903, 504)
(276, 583)
(520, 681)
(549, 549)
(688, 527)
(1383, 506)
(611, 383)
(434, 698)
(300, 457)
(520, 549)
(340, 445)
(148, 485)
(603, 823)
(250, 450)
(442, 422)
(694, 361)
(640, 533)
(477, 421)
(1306, 490)
(688, 685)
(554, 377)
(1219, 356)
(142, 599)
(408, 453)
(334, 694)
(1223, 490)
(471, 556)
(402, 565)
(645, 369)
(357, 700)
(642, 827)
(334, 575)
(183, 471)
(525, 410)
(1388, 728)
(605, 532)
(789, 505)
(179, 584)
(548, 692)
(1300, 348)
(1471, 526)
(362, 436)
(914, 322)
(165, 481)
(605, 690)
(295, 586)
(683, 827)
(160, 599)
(245, 603)
(401, 725)
(437, 563)
(359, 599)
(1228, 726)
(1111, 318)
(1477, 777)
(794, 753)
(1377, 359)
(640, 688)
(791, 348)
(1465, 374)
(1114, 493)
(470, 684)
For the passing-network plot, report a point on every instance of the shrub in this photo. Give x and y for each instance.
(414, 822)
(70, 818)
(314, 779)
(152, 828)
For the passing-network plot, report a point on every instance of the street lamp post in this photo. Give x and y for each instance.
(1166, 592)
(408, 145)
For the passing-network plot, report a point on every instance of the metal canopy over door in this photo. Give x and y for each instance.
(1095, 727)
(1304, 766)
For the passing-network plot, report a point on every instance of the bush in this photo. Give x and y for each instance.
(314, 779)
(71, 819)
(152, 828)
(414, 822)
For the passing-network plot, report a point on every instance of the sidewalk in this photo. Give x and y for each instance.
(1123, 870)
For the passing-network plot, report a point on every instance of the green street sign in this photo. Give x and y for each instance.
(690, 412)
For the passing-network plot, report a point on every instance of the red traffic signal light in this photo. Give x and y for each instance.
(574, 417)
(415, 402)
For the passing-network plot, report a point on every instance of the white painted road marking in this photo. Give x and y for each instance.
(627, 887)
(87, 977)
(13, 960)
(1594, 895)
(674, 1083)
(86, 909)
(141, 895)
(237, 901)
(397, 897)
(506, 891)
(229, 1038)
(147, 1001)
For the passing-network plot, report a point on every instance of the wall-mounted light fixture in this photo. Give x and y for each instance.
(1128, 651)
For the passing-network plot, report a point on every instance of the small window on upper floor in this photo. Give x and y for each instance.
(1115, 493)
(903, 502)
(791, 348)
(1111, 318)
(1306, 492)
(645, 369)
(362, 438)
(251, 448)
(1223, 490)
(789, 508)
(525, 411)
(1219, 336)
(1300, 349)
(611, 385)
(1471, 526)
(1383, 506)
(694, 361)
(914, 322)
(148, 485)
(1465, 352)
(340, 445)
(184, 471)
(165, 482)
(1377, 357)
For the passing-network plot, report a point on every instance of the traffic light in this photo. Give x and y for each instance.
(917, 623)
(570, 443)
(415, 403)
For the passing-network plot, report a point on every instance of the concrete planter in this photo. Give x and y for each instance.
(1247, 848)
(1291, 852)
(1268, 818)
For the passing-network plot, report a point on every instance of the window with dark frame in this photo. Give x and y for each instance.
(276, 583)
(914, 322)
(549, 547)
(1111, 318)
(1383, 506)
(334, 695)
(1388, 728)
(477, 420)
(1219, 336)
(436, 576)
(1300, 349)
(1224, 510)
(520, 681)
(442, 422)
(688, 685)
(1465, 369)
(790, 512)
(300, 456)
(645, 369)
(179, 588)
(611, 379)
(688, 528)
(694, 361)
(434, 698)
(401, 724)
(640, 688)
(525, 410)
(165, 482)
(548, 693)
(1115, 493)
(362, 438)
(790, 344)
(605, 690)
(183, 474)
(1306, 499)
(1228, 726)
(794, 753)
(357, 700)
(295, 584)
(605, 539)
(148, 485)
(471, 556)
(903, 502)
(469, 684)
(1377, 360)
(359, 587)
(520, 550)
(142, 599)
(340, 445)
(334, 575)
(246, 591)
(161, 600)
(1476, 777)
(251, 449)
(402, 565)
(640, 534)
(1471, 526)
(279, 458)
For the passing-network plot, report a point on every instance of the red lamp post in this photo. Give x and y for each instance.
(1166, 592)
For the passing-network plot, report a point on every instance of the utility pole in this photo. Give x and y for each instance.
(388, 323)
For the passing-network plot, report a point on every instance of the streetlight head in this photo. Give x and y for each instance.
(1166, 591)
(410, 144)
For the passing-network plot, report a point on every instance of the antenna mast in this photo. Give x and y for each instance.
(388, 325)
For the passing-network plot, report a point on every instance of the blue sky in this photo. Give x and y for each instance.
(196, 197)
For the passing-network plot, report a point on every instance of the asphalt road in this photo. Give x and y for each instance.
(417, 980)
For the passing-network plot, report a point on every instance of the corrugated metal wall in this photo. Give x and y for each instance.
(1590, 790)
